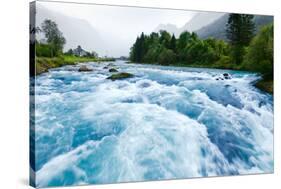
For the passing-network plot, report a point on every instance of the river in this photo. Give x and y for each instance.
(164, 123)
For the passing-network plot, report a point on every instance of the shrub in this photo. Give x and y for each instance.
(43, 50)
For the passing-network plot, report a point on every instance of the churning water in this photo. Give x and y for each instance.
(165, 123)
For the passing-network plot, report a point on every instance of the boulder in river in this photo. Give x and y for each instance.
(113, 70)
(118, 76)
(84, 68)
(105, 67)
(227, 76)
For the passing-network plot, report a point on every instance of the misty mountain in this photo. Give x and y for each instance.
(201, 19)
(217, 28)
(197, 21)
(76, 31)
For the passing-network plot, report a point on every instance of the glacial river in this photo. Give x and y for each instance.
(164, 123)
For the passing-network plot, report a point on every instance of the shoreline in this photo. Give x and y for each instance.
(43, 64)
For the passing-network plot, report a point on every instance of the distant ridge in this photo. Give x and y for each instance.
(76, 31)
(216, 29)
(210, 24)
(198, 21)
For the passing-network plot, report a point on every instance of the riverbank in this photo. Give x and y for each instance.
(265, 85)
(43, 64)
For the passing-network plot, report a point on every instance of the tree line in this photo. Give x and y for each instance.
(242, 50)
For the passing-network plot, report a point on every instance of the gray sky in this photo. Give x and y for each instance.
(118, 26)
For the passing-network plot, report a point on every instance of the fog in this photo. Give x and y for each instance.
(111, 30)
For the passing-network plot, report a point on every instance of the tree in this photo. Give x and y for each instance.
(165, 38)
(139, 49)
(200, 52)
(173, 43)
(165, 49)
(239, 31)
(182, 41)
(69, 52)
(94, 54)
(259, 56)
(167, 57)
(54, 36)
(79, 50)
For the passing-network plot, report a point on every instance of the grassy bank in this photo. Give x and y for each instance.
(43, 64)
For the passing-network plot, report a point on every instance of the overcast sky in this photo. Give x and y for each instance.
(120, 24)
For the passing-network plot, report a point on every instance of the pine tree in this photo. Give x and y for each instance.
(173, 43)
(239, 31)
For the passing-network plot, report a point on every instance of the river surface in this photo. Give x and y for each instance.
(164, 123)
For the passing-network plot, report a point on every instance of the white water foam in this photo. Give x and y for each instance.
(165, 123)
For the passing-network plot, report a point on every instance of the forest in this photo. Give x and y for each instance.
(244, 49)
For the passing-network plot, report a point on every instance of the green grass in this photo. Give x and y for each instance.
(75, 59)
(43, 64)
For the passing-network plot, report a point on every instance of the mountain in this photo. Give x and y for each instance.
(197, 21)
(76, 31)
(201, 19)
(216, 29)
(171, 28)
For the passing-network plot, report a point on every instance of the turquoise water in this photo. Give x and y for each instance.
(165, 123)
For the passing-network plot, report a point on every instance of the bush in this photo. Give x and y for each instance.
(43, 50)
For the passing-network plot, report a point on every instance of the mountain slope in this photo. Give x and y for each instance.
(197, 21)
(201, 19)
(217, 28)
(76, 31)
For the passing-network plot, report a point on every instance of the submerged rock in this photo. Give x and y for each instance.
(113, 70)
(122, 75)
(145, 85)
(84, 68)
(105, 67)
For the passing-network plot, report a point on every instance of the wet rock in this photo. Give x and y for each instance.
(119, 76)
(105, 67)
(227, 76)
(84, 68)
(113, 70)
(219, 78)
